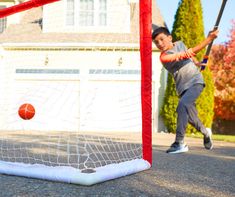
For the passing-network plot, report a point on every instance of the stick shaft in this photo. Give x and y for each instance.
(205, 59)
(216, 25)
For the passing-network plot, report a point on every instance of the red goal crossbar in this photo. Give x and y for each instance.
(23, 6)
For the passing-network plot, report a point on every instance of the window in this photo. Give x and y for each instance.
(102, 13)
(86, 13)
(90, 13)
(70, 12)
(3, 21)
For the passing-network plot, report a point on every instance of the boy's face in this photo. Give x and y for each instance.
(163, 42)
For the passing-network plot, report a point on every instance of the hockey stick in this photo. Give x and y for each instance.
(206, 56)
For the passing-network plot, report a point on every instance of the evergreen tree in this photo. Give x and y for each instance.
(188, 27)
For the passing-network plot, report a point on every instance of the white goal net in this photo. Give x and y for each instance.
(77, 62)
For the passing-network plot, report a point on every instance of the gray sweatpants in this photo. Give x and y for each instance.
(187, 112)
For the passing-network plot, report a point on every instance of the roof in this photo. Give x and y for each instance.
(29, 30)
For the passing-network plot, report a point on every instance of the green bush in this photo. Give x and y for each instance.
(170, 102)
(205, 102)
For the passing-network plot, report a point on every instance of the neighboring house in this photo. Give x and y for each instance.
(62, 46)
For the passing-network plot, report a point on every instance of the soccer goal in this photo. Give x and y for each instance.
(75, 89)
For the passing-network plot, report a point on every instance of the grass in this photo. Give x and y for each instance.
(225, 138)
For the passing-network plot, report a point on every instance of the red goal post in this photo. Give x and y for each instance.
(146, 76)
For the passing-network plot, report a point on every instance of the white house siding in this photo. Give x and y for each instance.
(75, 89)
(70, 76)
(159, 85)
(3, 87)
(118, 18)
(54, 23)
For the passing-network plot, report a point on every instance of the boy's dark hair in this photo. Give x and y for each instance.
(160, 30)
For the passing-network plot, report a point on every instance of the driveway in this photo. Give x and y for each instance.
(197, 173)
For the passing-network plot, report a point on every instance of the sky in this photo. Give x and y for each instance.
(210, 11)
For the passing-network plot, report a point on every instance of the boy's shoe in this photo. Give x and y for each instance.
(177, 147)
(207, 141)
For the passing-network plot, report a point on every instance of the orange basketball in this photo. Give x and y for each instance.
(26, 111)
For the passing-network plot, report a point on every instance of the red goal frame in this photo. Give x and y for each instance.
(145, 22)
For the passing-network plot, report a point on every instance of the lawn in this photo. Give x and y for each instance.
(226, 138)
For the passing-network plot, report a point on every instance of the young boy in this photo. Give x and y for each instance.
(184, 67)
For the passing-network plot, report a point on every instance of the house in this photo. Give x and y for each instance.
(70, 59)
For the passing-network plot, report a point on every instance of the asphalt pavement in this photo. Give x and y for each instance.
(197, 173)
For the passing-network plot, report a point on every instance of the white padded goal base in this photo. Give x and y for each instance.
(73, 175)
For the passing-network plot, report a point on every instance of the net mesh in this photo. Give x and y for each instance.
(77, 62)
(67, 149)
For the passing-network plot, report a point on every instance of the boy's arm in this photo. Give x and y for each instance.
(190, 53)
(196, 62)
(212, 35)
(164, 57)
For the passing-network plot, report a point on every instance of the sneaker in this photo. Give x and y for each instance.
(207, 140)
(177, 147)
